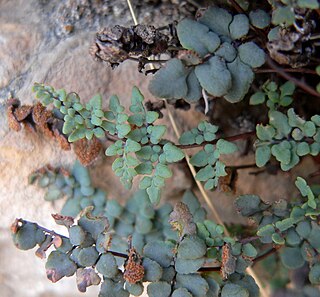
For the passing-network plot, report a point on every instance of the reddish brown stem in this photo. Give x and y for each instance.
(239, 167)
(314, 174)
(295, 70)
(189, 146)
(266, 254)
(202, 269)
(287, 76)
(259, 258)
(207, 269)
(249, 239)
(228, 138)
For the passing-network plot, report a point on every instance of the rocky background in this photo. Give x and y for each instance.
(48, 41)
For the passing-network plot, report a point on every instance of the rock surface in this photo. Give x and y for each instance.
(36, 44)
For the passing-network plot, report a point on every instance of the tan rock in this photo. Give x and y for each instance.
(17, 45)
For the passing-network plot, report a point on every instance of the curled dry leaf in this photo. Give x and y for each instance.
(36, 118)
(62, 140)
(227, 183)
(57, 241)
(63, 220)
(44, 246)
(40, 115)
(189, 57)
(228, 265)
(291, 47)
(16, 225)
(22, 112)
(181, 220)
(86, 277)
(117, 44)
(87, 150)
(133, 269)
(12, 120)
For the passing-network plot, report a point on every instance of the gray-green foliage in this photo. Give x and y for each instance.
(259, 18)
(287, 137)
(222, 69)
(171, 258)
(76, 186)
(284, 10)
(208, 158)
(292, 225)
(140, 148)
(170, 262)
(275, 97)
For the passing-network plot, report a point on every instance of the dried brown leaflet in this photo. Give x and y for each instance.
(116, 44)
(36, 118)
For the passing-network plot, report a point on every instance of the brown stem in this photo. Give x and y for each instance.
(257, 259)
(266, 254)
(237, 7)
(53, 233)
(228, 138)
(314, 174)
(246, 135)
(118, 254)
(239, 167)
(146, 61)
(287, 76)
(207, 269)
(202, 269)
(298, 70)
(113, 138)
(249, 239)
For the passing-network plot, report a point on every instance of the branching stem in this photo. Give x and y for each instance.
(299, 83)
(202, 269)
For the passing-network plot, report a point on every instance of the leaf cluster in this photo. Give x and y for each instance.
(291, 225)
(139, 145)
(284, 12)
(211, 61)
(287, 137)
(208, 157)
(140, 148)
(275, 97)
(95, 250)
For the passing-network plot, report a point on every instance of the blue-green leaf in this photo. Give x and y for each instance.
(214, 76)
(195, 36)
(170, 81)
(172, 153)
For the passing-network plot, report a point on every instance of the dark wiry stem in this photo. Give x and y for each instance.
(239, 167)
(53, 233)
(249, 239)
(257, 259)
(298, 70)
(287, 76)
(228, 138)
(246, 135)
(202, 269)
(266, 254)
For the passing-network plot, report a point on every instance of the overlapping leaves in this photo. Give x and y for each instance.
(293, 226)
(226, 71)
(208, 158)
(140, 148)
(287, 137)
(170, 266)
